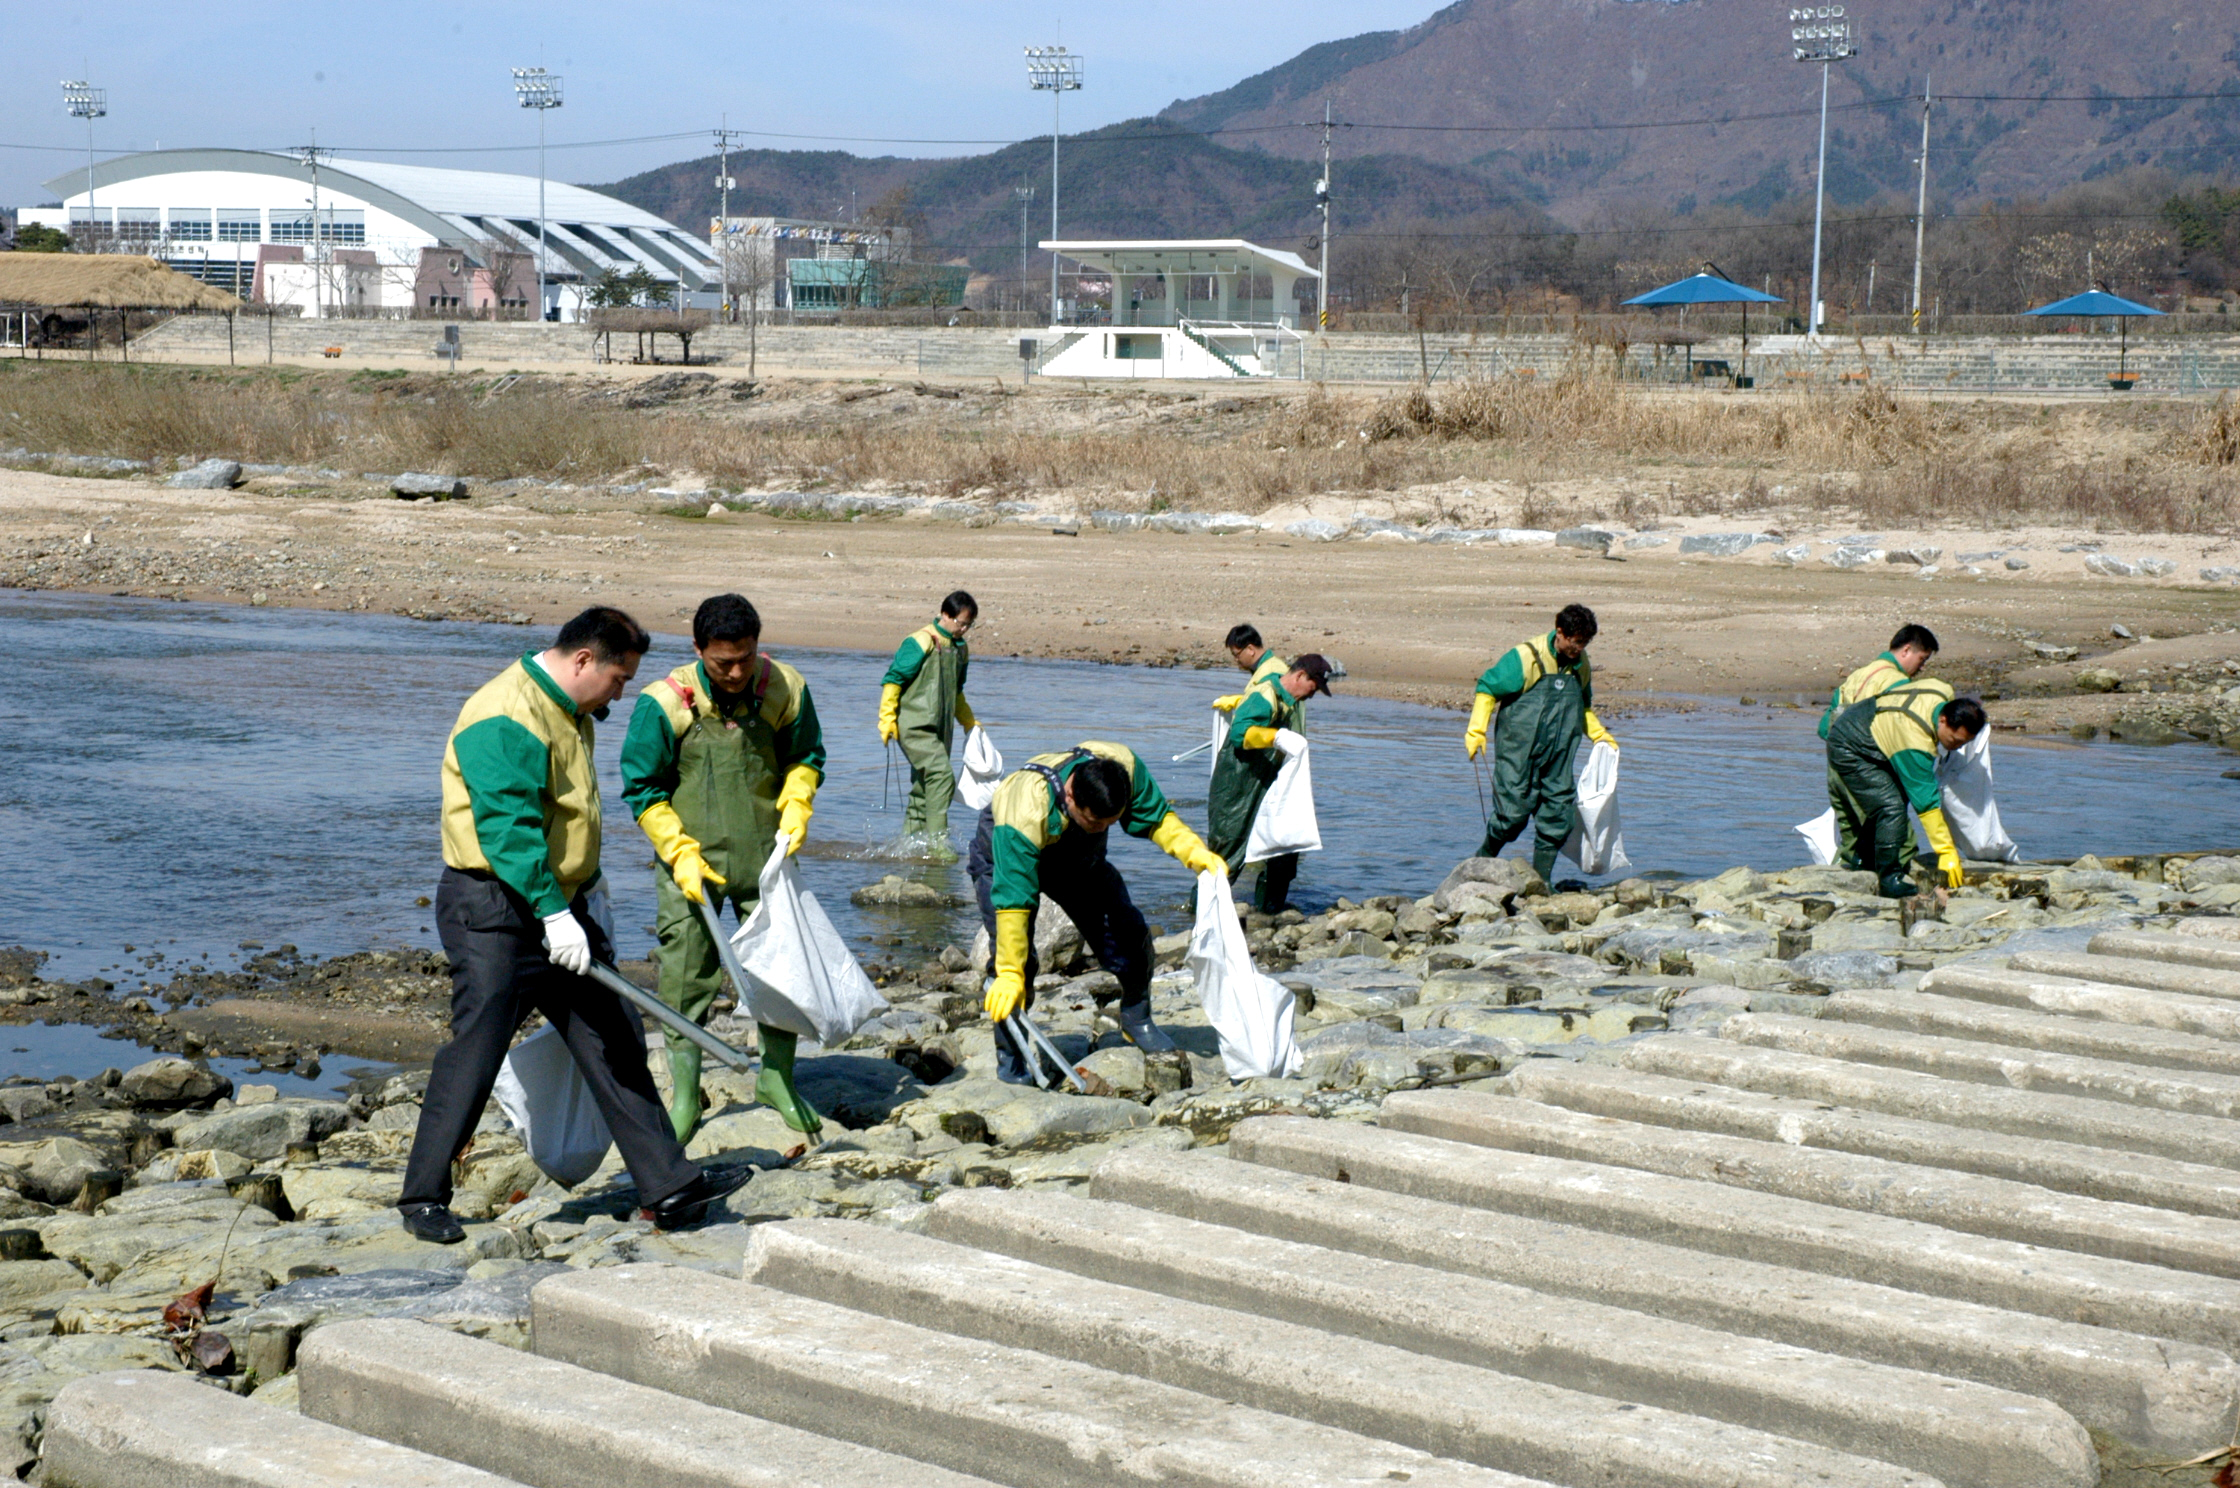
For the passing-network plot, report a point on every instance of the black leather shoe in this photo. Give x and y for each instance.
(434, 1223)
(689, 1204)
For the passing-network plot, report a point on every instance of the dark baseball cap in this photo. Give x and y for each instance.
(1318, 667)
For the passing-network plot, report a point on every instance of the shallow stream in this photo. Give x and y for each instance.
(186, 778)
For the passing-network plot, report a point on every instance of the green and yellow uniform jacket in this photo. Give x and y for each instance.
(520, 796)
(1530, 663)
(721, 761)
(1271, 667)
(1877, 676)
(1029, 819)
(928, 674)
(1248, 764)
(1901, 724)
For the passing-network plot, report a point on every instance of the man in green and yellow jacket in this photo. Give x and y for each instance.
(1266, 728)
(520, 909)
(1910, 650)
(1544, 691)
(1882, 758)
(1252, 657)
(921, 702)
(1045, 833)
(723, 757)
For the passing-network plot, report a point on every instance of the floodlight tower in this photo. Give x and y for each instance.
(540, 90)
(1054, 70)
(1822, 34)
(89, 104)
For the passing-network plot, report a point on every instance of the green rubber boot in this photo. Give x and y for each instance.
(684, 1093)
(774, 1086)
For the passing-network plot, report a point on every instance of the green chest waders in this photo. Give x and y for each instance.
(1241, 778)
(1535, 737)
(926, 721)
(727, 795)
(1869, 799)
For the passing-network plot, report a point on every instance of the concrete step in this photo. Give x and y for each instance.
(1009, 1414)
(1769, 1227)
(1963, 1433)
(1582, 1128)
(2124, 971)
(2207, 1017)
(552, 1425)
(2129, 1178)
(1474, 1414)
(2178, 950)
(140, 1428)
(2214, 927)
(1959, 1018)
(1904, 1092)
(2164, 1397)
(2194, 1093)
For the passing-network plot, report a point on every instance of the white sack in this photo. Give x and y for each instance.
(1285, 821)
(1252, 1013)
(1964, 776)
(983, 770)
(800, 976)
(1819, 836)
(549, 1103)
(1596, 844)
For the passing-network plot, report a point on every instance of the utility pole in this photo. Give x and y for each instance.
(1322, 257)
(1921, 205)
(1024, 195)
(540, 90)
(1054, 70)
(1821, 34)
(87, 103)
(310, 154)
(724, 183)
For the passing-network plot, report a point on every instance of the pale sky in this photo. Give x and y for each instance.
(381, 79)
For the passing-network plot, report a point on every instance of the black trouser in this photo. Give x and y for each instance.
(1872, 803)
(499, 973)
(1276, 874)
(1094, 896)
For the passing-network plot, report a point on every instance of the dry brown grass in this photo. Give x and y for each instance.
(2140, 467)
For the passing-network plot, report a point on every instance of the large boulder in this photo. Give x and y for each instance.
(261, 1133)
(210, 475)
(1505, 880)
(414, 484)
(172, 1082)
(56, 1170)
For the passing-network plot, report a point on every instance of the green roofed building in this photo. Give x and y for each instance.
(814, 284)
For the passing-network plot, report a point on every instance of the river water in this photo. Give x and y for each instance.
(185, 778)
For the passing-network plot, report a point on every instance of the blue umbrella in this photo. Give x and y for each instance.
(2100, 302)
(1710, 289)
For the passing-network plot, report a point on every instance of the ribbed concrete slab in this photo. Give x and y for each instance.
(1966, 1202)
(2126, 972)
(1964, 1433)
(2165, 1397)
(1009, 1414)
(1769, 1227)
(2030, 1028)
(553, 1425)
(1904, 1092)
(2130, 1178)
(144, 1429)
(1456, 1410)
(2181, 950)
(2207, 1016)
(2215, 927)
(2195, 1093)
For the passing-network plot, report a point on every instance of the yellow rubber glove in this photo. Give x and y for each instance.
(1186, 847)
(890, 707)
(1596, 733)
(796, 803)
(1229, 704)
(1010, 984)
(1940, 840)
(673, 846)
(1260, 738)
(1481, 714)
(964, 713)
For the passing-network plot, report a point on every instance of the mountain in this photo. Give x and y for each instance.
(1142, 178)
(1540, 89)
